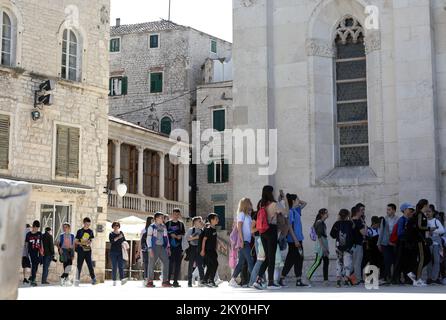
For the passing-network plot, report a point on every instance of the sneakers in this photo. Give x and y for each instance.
(176, 284)
(233, 283)
(338, 284)
(62, 282)
(282, 283)
(76, 283)
(326, 283)
(201, 284)
(93, 281)
(124, 281)
(299, 283)
(189, 284)
(419, 283)
(25, 281)
(150, 284)
(33, 284)
(438, 281)
(46, 282)
(273, 286)
(429, 281)
(212, 284)
(114, 283)
(167, 284)
(412, 277)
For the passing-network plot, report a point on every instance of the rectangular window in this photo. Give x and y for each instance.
(156, 82)
(4, 141)
(218, 172)
(67, 152)
(219, 120)
(118, 86)
(54, 216)
(154, 41)
(213, 46)
(115, 45)
(151, 173)
(170, 180)
(129, 167)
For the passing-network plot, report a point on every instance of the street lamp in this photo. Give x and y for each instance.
(121, 189)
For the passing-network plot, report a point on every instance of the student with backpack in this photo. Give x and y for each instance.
(295, 239)
(343, 232)
(373, 255)
(33, 244)
(176, 231)
(65, 246)
(48, 254)
(436, 232)
(359, 234)
(193, 238)
(158, 245)
(144, 251)
(267, 226)
(259, 256)
(321, 248)
(243, 228)
(209, 250)
(385, 245)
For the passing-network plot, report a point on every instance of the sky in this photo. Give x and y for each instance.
(210, 16)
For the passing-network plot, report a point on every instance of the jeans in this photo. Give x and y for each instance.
(258, 264)
(81, 257)
(244, 255)
(35, 261)
(68, 255)
(46, 265)
(175, 263)
(145, 259)
(433, 268)
(317, 262)
(211, 261)
(389, 261)
(194, 257)
(343, 263)
(293, 258)
(269, 242)
(117, 264)
(358, 254)
(159, 252)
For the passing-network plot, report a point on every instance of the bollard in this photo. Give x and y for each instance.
(14, 197)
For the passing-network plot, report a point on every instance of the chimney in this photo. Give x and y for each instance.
(118, 22)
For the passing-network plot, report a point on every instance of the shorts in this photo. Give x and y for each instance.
(26, 263)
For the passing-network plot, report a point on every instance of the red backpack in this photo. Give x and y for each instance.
(262, 221)
(394, 236)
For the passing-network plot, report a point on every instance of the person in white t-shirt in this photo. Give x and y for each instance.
(436, 232)
(244, 223)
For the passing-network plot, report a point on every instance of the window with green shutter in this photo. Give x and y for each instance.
(115, 45)
(166, 125)
(213, 46)
(211, 172)
(221, 212)
(156, 82)
(118, 86)
(67, 152)
(219, 120)
(4, 141)
(218, 172)
(154, 41)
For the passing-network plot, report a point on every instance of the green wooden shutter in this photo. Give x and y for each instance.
(62, 151)
(124, 86)
(156, 82)
(110, 86)
(213, 46)
(154, 41)
(211, 172)
(219, 120)
(166, 125)
(73, 152)
(4, 141)
(225, 171)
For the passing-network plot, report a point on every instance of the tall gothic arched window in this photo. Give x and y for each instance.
(351, 95)
(70, 56)
(6, 39)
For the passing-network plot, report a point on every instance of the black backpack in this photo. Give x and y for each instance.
(144, 241)
(344, 236)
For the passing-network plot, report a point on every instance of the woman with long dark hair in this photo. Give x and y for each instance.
(270, 236)
(321, 248)
(144, 250)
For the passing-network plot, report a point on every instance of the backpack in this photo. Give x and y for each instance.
(234, 237)
(344, 237)
(394, 235)
(262, 221)
(313, 235)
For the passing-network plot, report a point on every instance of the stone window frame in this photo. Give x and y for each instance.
(120, 44)
(82, 51)
(159, 40)
(54, 205)
(219, 108)
(320, 55)
(54, 150)
(17, 31)
(166, 116)
(7, 171)
(211, 42)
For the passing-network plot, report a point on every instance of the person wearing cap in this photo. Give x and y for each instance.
(405, 253)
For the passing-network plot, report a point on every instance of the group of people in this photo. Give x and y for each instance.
(267, 243)
(39, 250)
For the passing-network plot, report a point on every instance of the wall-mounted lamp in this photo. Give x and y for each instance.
(121, 189)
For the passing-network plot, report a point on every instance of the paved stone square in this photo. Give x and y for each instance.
(135, 291)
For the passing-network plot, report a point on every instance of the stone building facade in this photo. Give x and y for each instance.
(214, 180)
(360, 109)
(63, 154)
(161, 63)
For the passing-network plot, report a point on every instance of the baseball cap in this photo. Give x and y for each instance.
(406, 206)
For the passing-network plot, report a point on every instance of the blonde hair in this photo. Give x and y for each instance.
(243, 205)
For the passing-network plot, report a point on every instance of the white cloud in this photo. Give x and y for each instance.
(210, 16)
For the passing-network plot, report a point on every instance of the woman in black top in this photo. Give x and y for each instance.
(116, 238)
